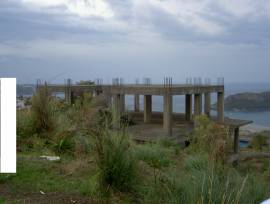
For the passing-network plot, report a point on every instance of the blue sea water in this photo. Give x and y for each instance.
(258, 118)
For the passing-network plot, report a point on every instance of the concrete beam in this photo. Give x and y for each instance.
(236, 140)
(207, 104)
(188, 107)
(147, 108)
(140, 89)
(197, 104)
(136, 102)
(220, 107)
(167, 113)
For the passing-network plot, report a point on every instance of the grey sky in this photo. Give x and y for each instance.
(87, 39)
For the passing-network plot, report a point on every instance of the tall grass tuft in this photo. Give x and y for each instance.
(259, 141)
(202, 182)
(25, 124)
(42, 111)
(211, 138)
(114, 157)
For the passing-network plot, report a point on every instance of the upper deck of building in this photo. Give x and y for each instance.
(150, 89)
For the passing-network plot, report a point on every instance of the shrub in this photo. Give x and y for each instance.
(114, 158)
(258, 141)
(42, 111)
(204, 182)
(153, 155)
(64, 144)
(211, 138)
(25, 124)
(197, 162)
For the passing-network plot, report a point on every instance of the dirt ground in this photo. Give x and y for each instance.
(40, 198)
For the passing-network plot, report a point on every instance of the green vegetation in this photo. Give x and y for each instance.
(259, 141)
(101, 163)
(114, 157)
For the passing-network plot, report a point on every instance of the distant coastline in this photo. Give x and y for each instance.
(247, 102)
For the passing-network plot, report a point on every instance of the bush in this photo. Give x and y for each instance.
(211, 138)
(259, 141)
(25, 124)
(42, 111)
(204, 182)
(114, 158)
(65, 144)
(153, 155)
(197, 162)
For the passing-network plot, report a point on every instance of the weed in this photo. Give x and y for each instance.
(258, 141)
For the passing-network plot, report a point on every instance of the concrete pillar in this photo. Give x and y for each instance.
(67, 95)
(167, 113)
(220, 107)
(197, 104)
(236, 140)
(108, 99)
(136, 102)
(147, 108)
(68, 91)
(72, 97)
(207, 104)
(122, 103)
(116, 110)
(188, 107)
(116, 104)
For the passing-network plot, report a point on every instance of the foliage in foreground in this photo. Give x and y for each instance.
(114, 157)
(42, 111)
(149, 173)
(258, 141)
(211, 138)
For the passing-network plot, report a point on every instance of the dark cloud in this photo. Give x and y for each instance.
(144, 37)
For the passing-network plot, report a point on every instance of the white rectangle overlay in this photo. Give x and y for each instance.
(8, 125)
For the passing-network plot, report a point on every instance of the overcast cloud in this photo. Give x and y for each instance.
(86, 39)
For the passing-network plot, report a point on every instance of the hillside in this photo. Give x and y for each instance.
(248, 102)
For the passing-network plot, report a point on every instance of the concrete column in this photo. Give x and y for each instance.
(207, 104)
(220, 106)
(188, 107)
(116, 110)
(236, 140)
(116, 104)
(108, 99)
(167, 113)
(68, 91)
(197, 104)
(147, 108)
(136, 102)
(72, 97)
(122, 103)
(67, 95)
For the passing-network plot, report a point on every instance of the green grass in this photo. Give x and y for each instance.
(98, 160)
(34, 175)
